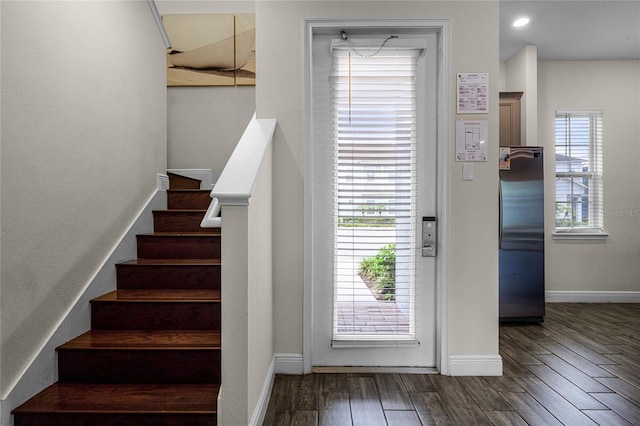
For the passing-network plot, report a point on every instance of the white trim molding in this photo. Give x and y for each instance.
(375, 370)
(162, 182)
(592, 296)
(161, 28)
(288, 364)
(219, 406)
(475, 365)
(263, 400)
(444, 117)
(583, 236)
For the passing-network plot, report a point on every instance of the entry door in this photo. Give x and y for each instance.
(374, 301)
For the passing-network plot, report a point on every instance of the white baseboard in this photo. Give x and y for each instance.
(375, 370)
(592, 296)
(162, 182)
(263, 400)
(219, 407)
(475, 365)
(459, 365)
(206, 176)
(288, 364)
(260, 410)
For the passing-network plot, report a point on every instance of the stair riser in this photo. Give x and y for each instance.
(182, 182)
(132, 276)
(155, 316)
(168, 221)
(108, 419)
(178, 247)
(196, 200)
(139, 366)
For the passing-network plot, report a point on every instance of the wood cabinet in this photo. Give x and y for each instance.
(510, 116)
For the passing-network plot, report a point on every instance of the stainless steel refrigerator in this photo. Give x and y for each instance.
(521, 239)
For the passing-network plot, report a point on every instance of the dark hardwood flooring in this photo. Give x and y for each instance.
(580, 367)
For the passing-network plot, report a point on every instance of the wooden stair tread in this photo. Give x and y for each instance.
(161, 295)
(171, 262)
(171, 234)
(180, 211)
(123, 398)
(144, 340)
(214, 232)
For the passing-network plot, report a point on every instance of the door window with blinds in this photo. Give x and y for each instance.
(579, 171)
(373, 98)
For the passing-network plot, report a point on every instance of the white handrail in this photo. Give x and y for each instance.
(236, 182)
(159, 23)
(211, 218)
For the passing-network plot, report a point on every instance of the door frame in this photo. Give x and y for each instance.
(442, 27)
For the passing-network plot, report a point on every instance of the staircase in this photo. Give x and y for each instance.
(152, 356)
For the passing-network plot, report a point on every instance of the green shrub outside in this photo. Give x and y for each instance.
(381, 269)
(368, 219)
(363, 222)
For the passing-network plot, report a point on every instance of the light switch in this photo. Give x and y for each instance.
(467, 172)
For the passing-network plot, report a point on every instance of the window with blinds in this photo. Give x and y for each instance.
(373, 96)
(579, 186)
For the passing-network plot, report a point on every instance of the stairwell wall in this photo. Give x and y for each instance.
(204, 124)
(83, 139)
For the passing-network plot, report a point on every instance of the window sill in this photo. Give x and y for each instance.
(582, 236)
(362, 343)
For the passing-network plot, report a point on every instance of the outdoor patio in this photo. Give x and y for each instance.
(359, 312)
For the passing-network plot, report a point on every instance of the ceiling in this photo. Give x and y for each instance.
(572, 29)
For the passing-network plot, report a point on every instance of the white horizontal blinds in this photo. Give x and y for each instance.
(579, 171)
(374, 115)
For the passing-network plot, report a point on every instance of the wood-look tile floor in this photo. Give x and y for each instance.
(580, 367)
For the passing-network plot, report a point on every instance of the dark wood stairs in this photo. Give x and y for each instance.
(152, 356)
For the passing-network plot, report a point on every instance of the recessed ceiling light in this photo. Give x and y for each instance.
(520, 22)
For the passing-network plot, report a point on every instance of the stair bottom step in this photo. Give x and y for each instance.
(119, 404)
(134, 419)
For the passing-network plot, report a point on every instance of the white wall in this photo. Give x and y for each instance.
(521, 75)
(473, 287)
(503, 76)
(614, 87)
(260, 300)
(204, 124)
(83, 138)
(247, 313)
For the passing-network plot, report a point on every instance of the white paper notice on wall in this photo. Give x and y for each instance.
(473, 92)
(471, 140)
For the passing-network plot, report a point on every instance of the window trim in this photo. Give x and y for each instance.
(588, 232)
(579, 234)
